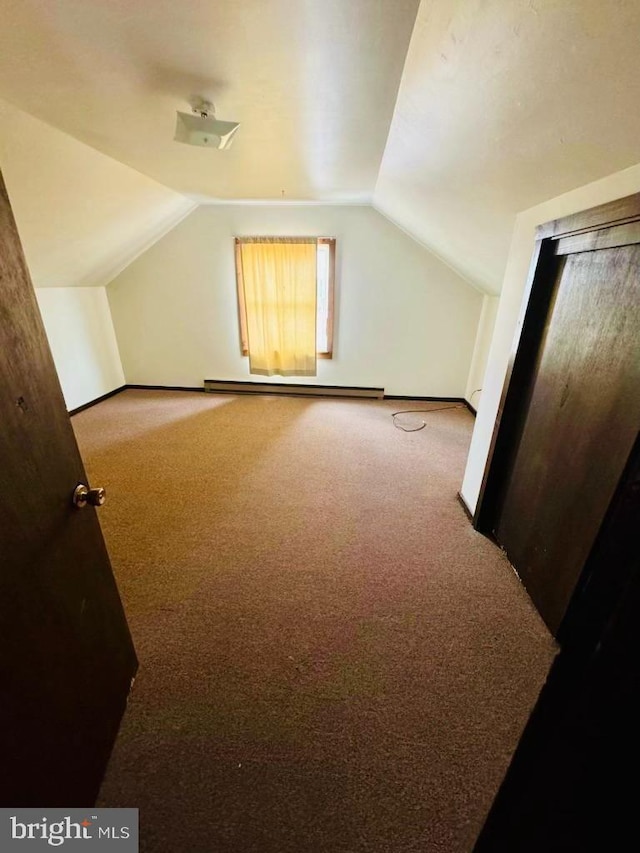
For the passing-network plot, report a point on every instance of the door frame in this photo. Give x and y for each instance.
(517, 385)
(567, 777)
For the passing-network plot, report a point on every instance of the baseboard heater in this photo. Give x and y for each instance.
(221, 386)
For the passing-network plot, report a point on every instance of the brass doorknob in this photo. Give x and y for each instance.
(83, 495)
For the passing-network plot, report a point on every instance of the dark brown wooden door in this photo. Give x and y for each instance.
(66, 655)
(580, 417)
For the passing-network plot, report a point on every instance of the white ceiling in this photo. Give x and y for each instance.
(82, 216)
(313, 83)
(502, 104)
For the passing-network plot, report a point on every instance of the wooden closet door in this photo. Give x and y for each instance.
(581, 417)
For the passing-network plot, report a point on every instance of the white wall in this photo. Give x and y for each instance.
(480, 358)
(82, 217)
(82, 340)
(404, 320)
(511, 309)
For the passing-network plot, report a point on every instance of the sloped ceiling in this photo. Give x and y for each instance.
(82, 216)
(504, 104)
(500, 105)
(313, 83)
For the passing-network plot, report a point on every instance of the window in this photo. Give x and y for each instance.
(285, 291)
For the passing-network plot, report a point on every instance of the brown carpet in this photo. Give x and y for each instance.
(331, 659)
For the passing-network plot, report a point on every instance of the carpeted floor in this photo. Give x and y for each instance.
(331, 659)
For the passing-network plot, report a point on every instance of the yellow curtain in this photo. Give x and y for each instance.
(279, 282)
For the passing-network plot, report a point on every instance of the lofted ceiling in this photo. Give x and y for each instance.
(505, 104)
(313, 83)
(451, 116)
(82, 216)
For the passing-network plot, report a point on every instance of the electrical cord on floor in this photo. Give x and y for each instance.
(421, 411)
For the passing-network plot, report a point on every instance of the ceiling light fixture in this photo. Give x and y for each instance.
(202, 128)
